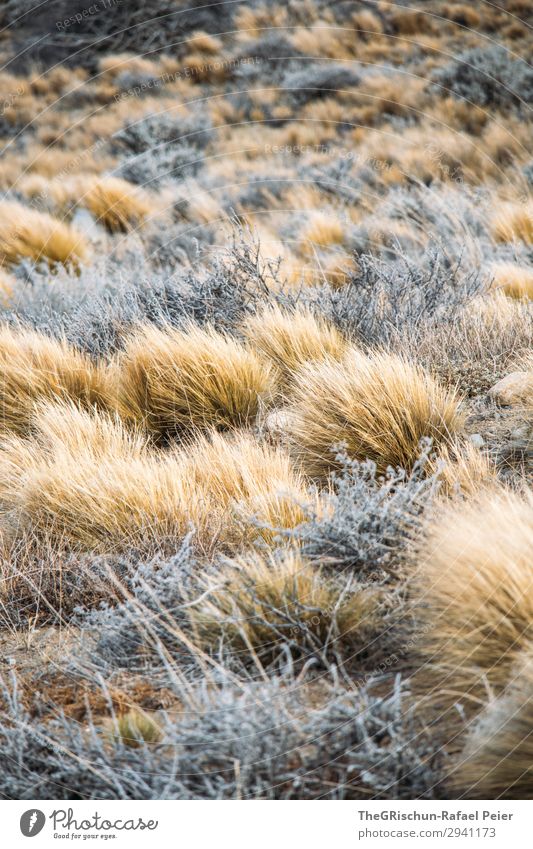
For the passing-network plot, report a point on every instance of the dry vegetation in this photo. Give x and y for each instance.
(266, 402)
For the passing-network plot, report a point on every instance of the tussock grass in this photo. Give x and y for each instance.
(114, 202)
(117, 204)
(513, 280)
(134, 728)
(380, 406)
(497, 759)
(256, 485)
(172, 380)
(291, 339)
(463, 469)
(89, 481)
(28, 234)
(36, 367)
(481, 344)
(475, 592)
(514, 222)
(259, 605)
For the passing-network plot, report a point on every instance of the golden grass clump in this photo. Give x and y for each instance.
(36, 367)
(114, 202)
(134, 729)
(322, 230)
(514, 222)
(497, 759)
(463, 468)
(28, 234)
(480, 346)
(172, 380)
(513, 280)
(380, 405)
(250, 481)
(257, 604)
(119, 205)
(291, 339)
(89, 481)
(474, 591)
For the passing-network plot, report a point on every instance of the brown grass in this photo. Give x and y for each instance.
(513, 280)
(463, 469)
(475, 592)
(36, 367)
(513, 222)
(115, 203)
(290, 339)
(380, 406)
(497, 760)
(88, 481)
(28, 234)
(172, 380)
(258, 604)
(480, 346)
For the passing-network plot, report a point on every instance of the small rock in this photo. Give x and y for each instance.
(514, 388)
(477, 440)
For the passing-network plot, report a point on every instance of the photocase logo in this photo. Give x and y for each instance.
(32, 822)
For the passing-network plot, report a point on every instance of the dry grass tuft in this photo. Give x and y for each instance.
(134, 729)
(290, 339)
(119, 205)
(259, 604)
(28, 234)
(463, 469)
(497, 760)
(514, 222)
(513, 280)
(379, 405)
(88, 481)
(487, 336)
(36, 367)
(172, 380)
(475, 593)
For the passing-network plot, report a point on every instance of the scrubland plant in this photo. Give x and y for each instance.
(514, 280)
(266, 405)
(87, 479)
(366, 522)
(475, 591)
(290, 339)
(29, 234)
(36, 368)
(379, 405)
(171, 380)
(342, 742)
(496, 761)
(262, 607)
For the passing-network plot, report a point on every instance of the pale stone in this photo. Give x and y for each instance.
(514, 388)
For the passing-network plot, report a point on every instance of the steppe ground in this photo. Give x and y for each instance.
(266, 399)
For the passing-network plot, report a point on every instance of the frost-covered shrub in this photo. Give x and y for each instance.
(367, 520)
(179, 245)
(161, 164)
(488, 77)
(270, 56)
(143, 628)
(135, 26)
(348, 745)
(164, 129)
(316, 81)
(382, 300)
(163, 147)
